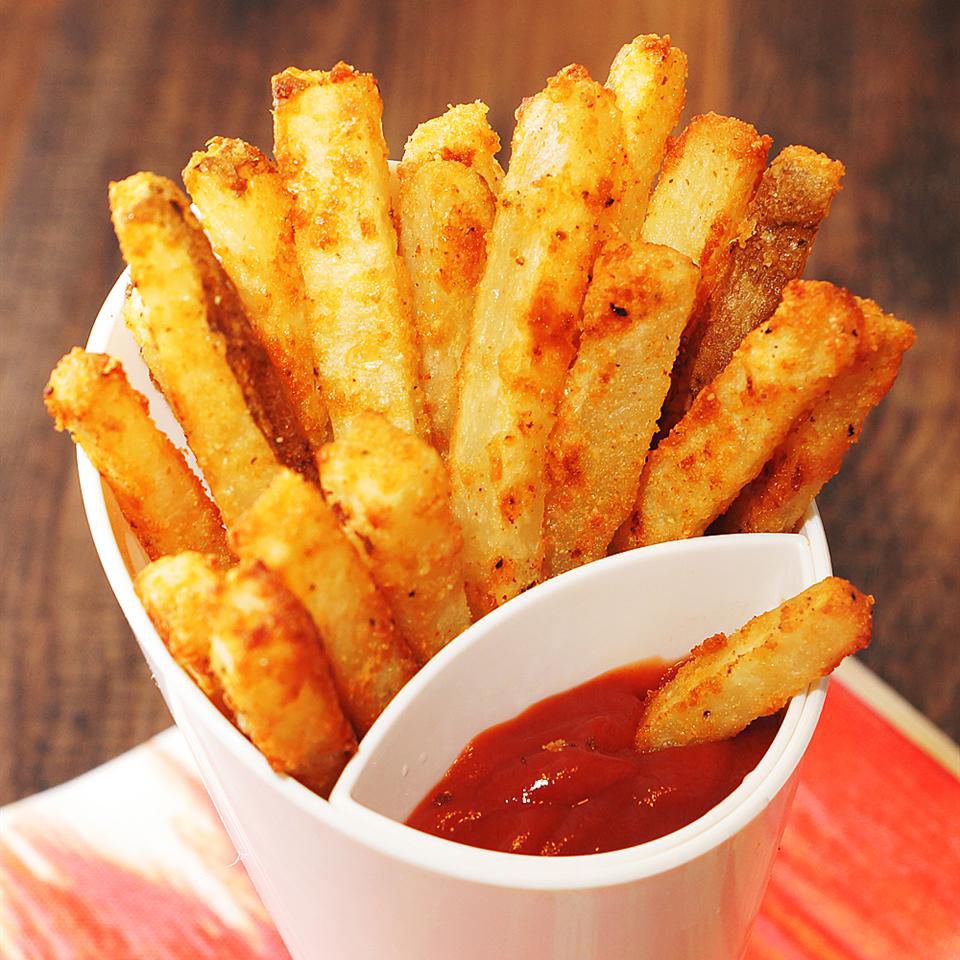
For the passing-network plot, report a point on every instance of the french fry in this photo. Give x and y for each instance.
(636, 308)
(545, 238)
(215, 373)
(813, 450)
(462, 134)
(270, 663)
(774, 242)
(649, 79)
(727, 682)
(180, 595)
(247, 215)
(332, 157)
(391, 494)
(446, 212)
(292, 531)
(161, 498)
(737, 422)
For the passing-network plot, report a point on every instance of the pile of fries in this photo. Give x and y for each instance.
(413, 394)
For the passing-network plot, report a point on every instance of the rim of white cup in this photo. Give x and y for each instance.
(436, 854)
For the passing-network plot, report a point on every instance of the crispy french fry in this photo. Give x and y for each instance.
(247, 216)
(775, 239)
(545, 238)
(180, 595)
(215, 373)
(291, 530)
(813, 450)
(635, 310)
(391, 494)
(462, 134)
(446, 212)
(161, 498)
(649, 79)
(737, 422)
(332, 157)
(270, 663)
(727, 682)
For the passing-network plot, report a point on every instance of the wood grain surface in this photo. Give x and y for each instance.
(94, 91)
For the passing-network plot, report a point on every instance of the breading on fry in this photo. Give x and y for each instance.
(391, 494)
(333, 159)
(292, 530)
(270, 662)
(160, 497)
(247, 215)
(545, 237)
(212, 368)
(649, 79)
(737, 422)
(636, 308)
(727, 682)
(813, 450)
(445, 212)
(180, 595)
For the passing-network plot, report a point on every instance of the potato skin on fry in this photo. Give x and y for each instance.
(270, 663)
(391, 494)
(737, 422)
(636, 308)
(727, 682)
(161, 498)
(213, 370)
(292, 531)
(813, 450)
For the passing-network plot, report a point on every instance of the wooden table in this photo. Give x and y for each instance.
(94, 91)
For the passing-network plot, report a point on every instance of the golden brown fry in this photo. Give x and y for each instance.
(291, 530)
(635, 310)
(215, 373)
(545, 237)
(391, 493)
(247, 215)
(161, 498)
(775, 239)
(180, 595)
(814, 448)
(333, 159)
(728, 682)
(269, 660)
(462, 134)
(446, 212)
(737, 422)
(649, 79)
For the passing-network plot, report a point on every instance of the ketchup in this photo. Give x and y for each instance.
(563, 777)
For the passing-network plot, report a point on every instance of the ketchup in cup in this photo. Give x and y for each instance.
(564, 778)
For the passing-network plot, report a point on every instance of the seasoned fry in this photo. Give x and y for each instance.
(649, 79)
(269, 660)
(814, 448)
(391, 494)
(161, 498)
(737, 422)
(727, 682)
(291, 530)
(545, 237)
(247, 215)
(774, 242)
(635, 310)
(462, 134)
(180, 595)
(215, 373)
(332, 157)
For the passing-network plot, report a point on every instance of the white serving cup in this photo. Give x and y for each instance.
(345, 878)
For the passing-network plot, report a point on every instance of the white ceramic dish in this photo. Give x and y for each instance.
(346, 879)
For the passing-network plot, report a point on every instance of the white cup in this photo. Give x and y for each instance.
(345, 878)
